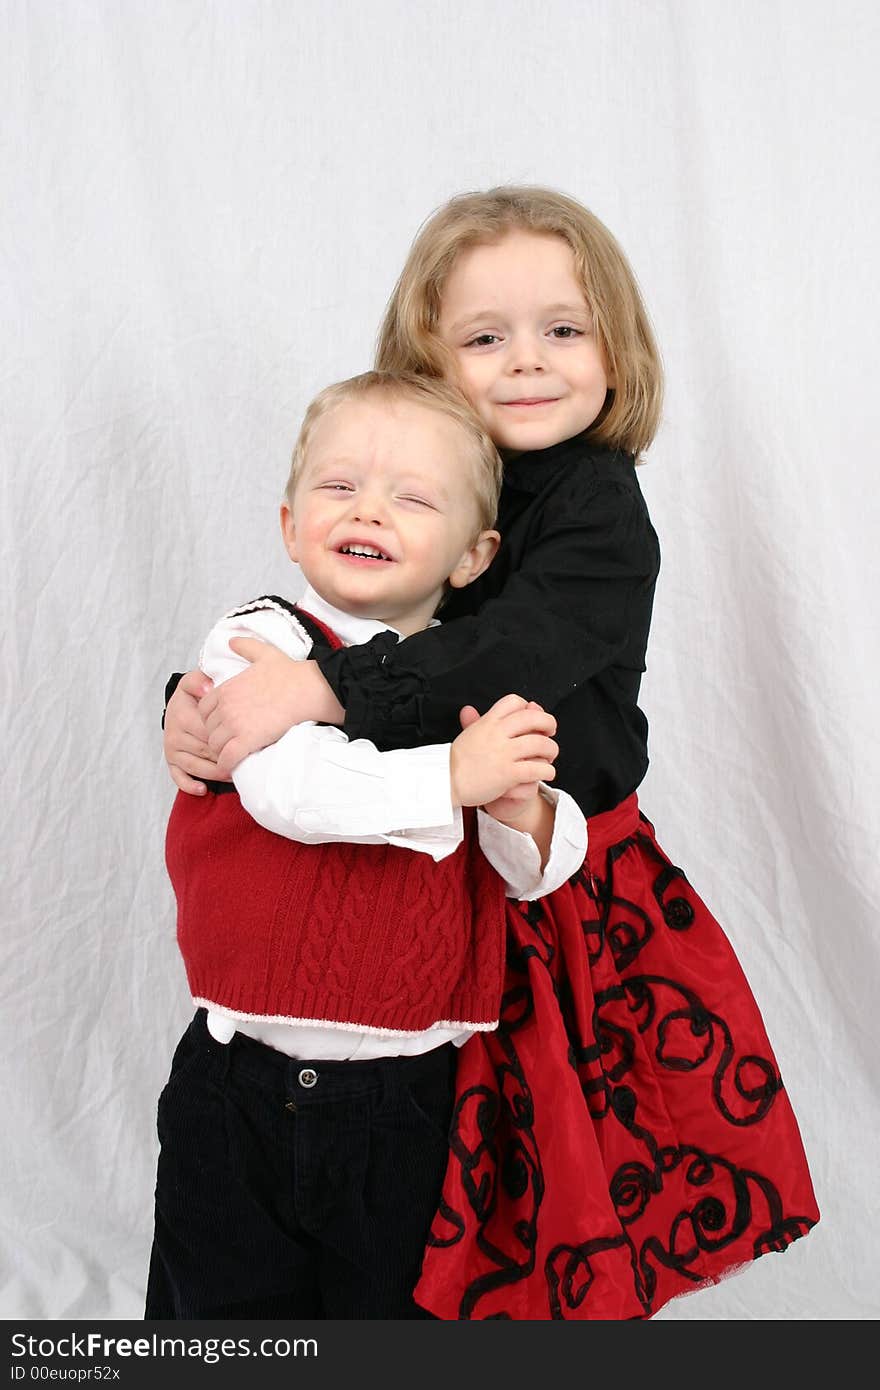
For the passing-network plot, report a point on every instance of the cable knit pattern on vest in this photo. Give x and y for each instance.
(369, 935)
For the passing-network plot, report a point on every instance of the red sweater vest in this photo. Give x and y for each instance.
(368, 935)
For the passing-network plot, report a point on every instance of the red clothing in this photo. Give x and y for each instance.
(624, 1136)
(371, 935)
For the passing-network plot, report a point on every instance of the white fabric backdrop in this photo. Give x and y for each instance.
(205, 207)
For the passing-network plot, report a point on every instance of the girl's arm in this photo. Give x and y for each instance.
(570, 602)
(315, 786)
(185, 735)
(574, 603)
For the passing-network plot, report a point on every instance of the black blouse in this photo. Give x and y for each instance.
(561, 616)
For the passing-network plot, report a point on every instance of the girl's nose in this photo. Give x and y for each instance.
(526, 355)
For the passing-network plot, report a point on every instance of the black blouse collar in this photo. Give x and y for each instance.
(531, 472)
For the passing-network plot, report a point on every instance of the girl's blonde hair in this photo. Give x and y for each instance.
(435, 394)
(408, 339)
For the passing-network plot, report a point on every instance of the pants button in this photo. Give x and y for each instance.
(307, 1077)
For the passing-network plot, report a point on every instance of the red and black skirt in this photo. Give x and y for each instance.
(624, 1136)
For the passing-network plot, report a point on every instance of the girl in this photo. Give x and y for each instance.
(624, 1137)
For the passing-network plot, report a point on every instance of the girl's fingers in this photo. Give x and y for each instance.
(208, 706)
(193, 742)
(251, 648)
(196, 767)
(184, 783)
(194, 684)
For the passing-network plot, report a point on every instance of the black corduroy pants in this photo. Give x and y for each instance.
(289, 1188)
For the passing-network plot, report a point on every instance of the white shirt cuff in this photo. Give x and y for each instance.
(515, 856)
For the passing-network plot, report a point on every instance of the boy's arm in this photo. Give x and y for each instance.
(314, 785)
(563, 614)
(535, 846)
(534, 836)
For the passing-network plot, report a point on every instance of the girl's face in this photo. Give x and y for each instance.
(515, 316)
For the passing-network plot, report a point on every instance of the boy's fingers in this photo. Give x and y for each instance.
(535, 746)
(468, 715)
(524, 791)
(534, 772)
(526, 721)
(507, 705)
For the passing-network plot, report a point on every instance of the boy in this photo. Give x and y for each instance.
(339, 918)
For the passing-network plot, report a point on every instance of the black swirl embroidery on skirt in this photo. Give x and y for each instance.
(593, 928)
(680, 1212)
(715, 1219)
(569, 1273)
(505, 1153)
(678, 912)
(539, 945)
(685, 1037)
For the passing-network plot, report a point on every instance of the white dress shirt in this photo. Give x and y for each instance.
(315, 785)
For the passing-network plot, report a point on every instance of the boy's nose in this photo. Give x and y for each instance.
(368, 510)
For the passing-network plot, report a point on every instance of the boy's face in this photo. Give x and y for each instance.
(384, 512)
(521, 331)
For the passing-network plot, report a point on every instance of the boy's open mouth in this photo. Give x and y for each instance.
(362, 552)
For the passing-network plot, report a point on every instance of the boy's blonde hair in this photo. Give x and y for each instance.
(408, 339)
(434, 394)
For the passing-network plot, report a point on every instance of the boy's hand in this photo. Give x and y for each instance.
(502, 754)
(185, 739)
(251, 710)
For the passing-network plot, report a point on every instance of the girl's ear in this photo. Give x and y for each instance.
(288, 531)
(477, 558)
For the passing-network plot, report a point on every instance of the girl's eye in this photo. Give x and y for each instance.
(566, 330)
(420, 501)
(336, 487)
(483, 340)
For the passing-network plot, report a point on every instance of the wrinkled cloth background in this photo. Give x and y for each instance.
(205, 206)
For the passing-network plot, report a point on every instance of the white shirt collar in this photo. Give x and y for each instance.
(353, 631)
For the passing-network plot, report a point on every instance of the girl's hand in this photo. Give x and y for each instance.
(504, 753)
(251, 710)
(185, 739)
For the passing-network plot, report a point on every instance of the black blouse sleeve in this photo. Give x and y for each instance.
(568, 609)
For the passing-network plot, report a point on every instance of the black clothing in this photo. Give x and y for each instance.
(295, 1189)
(561, 616)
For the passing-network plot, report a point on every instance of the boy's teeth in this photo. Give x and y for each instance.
(363, 550)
